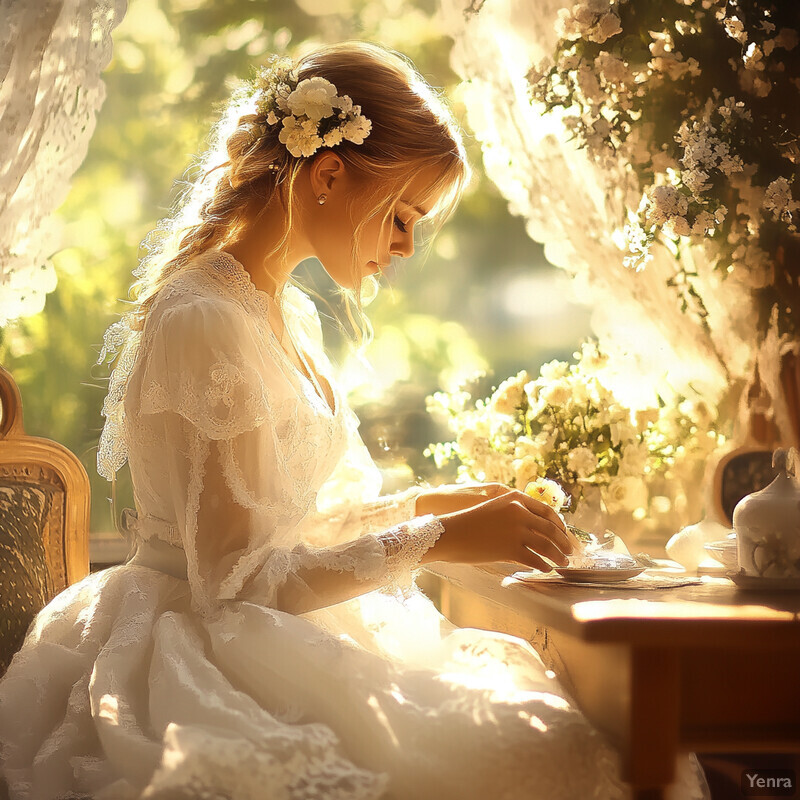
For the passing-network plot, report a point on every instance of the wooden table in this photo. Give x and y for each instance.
(706, 668)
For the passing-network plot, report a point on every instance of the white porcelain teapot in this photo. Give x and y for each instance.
(767, 524)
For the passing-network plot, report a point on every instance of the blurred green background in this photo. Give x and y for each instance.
(483, 298)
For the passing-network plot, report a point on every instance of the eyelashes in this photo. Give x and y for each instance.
(400, 225)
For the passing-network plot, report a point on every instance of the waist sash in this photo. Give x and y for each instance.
(154, 552)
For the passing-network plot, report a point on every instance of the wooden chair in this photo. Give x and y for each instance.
(44, 521)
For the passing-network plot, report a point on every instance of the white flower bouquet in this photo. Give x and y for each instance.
(567, 425)
(698, 99)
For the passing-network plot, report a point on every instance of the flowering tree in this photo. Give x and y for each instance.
(700, 98)
(652, 146)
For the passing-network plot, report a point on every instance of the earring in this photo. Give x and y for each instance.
(321, 199)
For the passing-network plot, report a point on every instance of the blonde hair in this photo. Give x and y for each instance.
(411, 129)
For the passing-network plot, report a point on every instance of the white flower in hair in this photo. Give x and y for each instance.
(357, 129)
(344, 104)
(282, 94)
(333, 137)
(298, 138)
(312, 114)
(314, 97)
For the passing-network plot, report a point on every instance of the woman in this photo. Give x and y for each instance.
(266, 638)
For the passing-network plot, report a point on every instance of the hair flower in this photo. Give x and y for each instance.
(313, 97)
(311, 112)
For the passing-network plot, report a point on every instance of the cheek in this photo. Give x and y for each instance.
(376, 239)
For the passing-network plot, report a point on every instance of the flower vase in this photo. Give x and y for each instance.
(589, 514)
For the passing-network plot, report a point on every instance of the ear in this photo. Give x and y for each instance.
(325, 170)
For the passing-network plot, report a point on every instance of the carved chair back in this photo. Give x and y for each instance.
(44, 521)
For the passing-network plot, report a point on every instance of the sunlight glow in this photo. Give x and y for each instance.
(109, 709)
(534, 721)
(373, 703)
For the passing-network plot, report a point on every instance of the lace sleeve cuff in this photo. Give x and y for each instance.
(404, 546)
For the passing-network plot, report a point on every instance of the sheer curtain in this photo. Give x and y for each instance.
(51, 55)
(574, 206)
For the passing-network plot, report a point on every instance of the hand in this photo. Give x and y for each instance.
(511, 526)
(456, 497)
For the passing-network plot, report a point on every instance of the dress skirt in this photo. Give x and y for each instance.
(121, 691)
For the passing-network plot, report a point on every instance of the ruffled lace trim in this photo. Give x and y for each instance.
(207, 764)
(404, 546)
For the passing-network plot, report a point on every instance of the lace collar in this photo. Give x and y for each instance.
(293, 305)
(237, 279)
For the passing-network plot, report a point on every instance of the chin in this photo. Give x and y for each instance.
(344, 277)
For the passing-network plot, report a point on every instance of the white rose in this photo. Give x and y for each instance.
(525, 470)
(582, 461)
(507, 398)
(634, 458)
(467, 439)
(625, 494)
(553, 370)
(314, 97)
(548, 492)
(557, 393)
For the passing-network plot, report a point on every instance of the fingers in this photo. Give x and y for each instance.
(492, 490)
(543, 546)
(539, 508)
(537, 516)
(547, 529)
(531, 560)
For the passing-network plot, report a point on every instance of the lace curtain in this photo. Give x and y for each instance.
(574, 206)
(51, 55)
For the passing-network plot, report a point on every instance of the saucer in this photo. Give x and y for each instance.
(598, 575)
(745, 581)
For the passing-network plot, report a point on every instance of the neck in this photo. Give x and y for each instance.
(259, 238)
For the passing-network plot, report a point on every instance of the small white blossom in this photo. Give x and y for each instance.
(332, 137)
(613, 70)
(778, 199)
(666, 203)
(594, 20)
(734, 27)
(344, 104)
(582, 461)
(507, 398)
(753, 57)
(696, 180)
(356, 130)
(298, 139)
(556, 393)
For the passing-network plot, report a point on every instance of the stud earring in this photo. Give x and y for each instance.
(321, 199)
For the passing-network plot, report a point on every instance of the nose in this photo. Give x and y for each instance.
(403, 245)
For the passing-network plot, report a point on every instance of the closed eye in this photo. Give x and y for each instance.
(400, 225)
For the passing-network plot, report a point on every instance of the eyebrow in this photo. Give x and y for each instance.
(421, 211)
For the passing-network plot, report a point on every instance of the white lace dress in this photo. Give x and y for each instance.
(222, 661)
